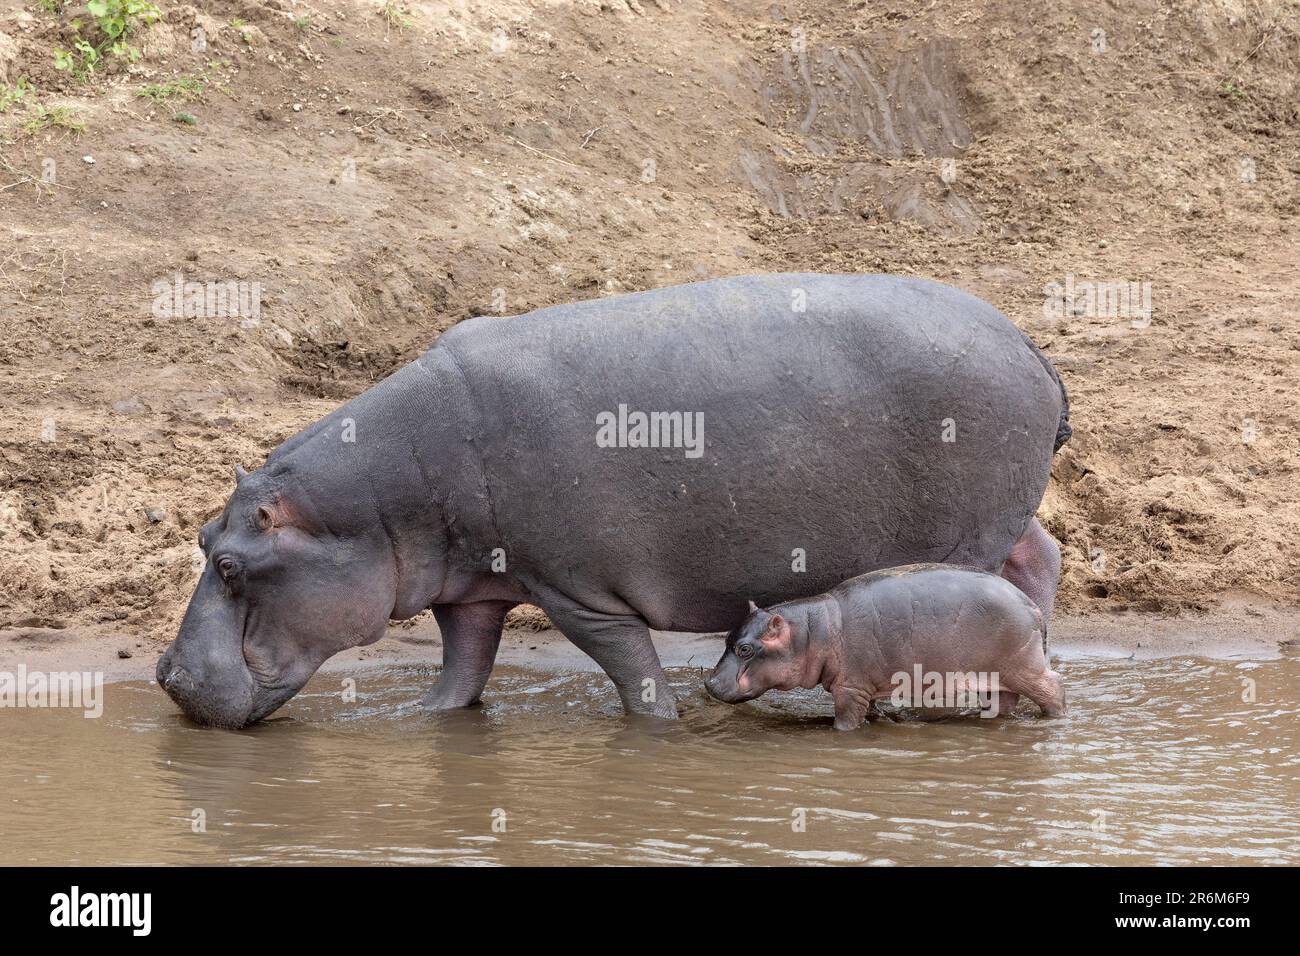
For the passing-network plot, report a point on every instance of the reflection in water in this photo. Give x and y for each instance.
(1158, 762)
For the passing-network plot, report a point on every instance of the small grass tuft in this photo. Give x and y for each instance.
(183, 87)
(52, 117)
(189, 119)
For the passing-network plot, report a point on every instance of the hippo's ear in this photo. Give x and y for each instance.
(777, 634)
(752, 607)
(240, 473)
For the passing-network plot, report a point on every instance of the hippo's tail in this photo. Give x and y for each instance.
(1063, 429)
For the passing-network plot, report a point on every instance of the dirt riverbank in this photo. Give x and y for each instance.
(381, 172)
(1237, 630)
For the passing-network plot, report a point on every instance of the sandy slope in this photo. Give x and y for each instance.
(382, 184)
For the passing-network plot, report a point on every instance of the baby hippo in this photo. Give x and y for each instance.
(922, 635)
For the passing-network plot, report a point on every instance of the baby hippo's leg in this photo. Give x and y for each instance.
(1049, 694)
(851, 707)
(1007, 701)
(1029, 674)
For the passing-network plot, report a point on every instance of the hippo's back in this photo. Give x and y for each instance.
(942, 588)
(946, 608)
(848, 423)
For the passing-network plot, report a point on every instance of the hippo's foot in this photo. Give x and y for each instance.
(447, 695)
(1049, 694)
(665, 708)
(851, 707)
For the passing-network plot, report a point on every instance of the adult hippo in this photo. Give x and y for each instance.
(644, 461)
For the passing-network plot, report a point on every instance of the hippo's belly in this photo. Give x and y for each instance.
(890, 421)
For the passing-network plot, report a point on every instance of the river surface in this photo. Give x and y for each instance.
(1158, 762)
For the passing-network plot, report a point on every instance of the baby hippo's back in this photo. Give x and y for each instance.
(941, 616)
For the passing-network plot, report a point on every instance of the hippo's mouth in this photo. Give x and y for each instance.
(228, 710)
(251, 703)
(231, 696)
(724, 684)
(268, 700)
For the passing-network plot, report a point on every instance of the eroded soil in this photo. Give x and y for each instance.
(382, 180)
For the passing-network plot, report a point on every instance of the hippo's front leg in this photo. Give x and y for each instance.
(470, 636)
(621, 645)
(851, 707)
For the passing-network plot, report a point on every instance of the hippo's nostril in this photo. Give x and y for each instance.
(175, 676)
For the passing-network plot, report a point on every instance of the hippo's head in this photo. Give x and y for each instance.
(759, 656)
(280, 593)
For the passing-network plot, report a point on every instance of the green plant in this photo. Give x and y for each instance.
(14, 94)
(302, 23)
(189, 119)
(115, 21)
(81, 60)
(183, 87)
(52, 117)
(396, 14)
(51, 6)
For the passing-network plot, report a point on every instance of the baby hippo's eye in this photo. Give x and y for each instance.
(744, 651)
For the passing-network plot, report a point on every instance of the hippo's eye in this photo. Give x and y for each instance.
(744, 651)
(226, 567)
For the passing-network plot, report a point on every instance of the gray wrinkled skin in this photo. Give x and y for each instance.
(854, 641)
(822, 432)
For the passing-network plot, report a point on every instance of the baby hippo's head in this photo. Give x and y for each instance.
(759, 656)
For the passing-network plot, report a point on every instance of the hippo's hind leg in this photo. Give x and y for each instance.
(621, 645)
(470, 636)
(1034, 566)
(1048, 692)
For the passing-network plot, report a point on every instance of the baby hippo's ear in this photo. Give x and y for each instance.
(777, 633)
(752, 607)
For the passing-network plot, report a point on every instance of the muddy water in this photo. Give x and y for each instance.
(1158, 762)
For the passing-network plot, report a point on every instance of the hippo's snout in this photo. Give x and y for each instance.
(711, 685)
(207, 697)
(169, 675)
(723, 685)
